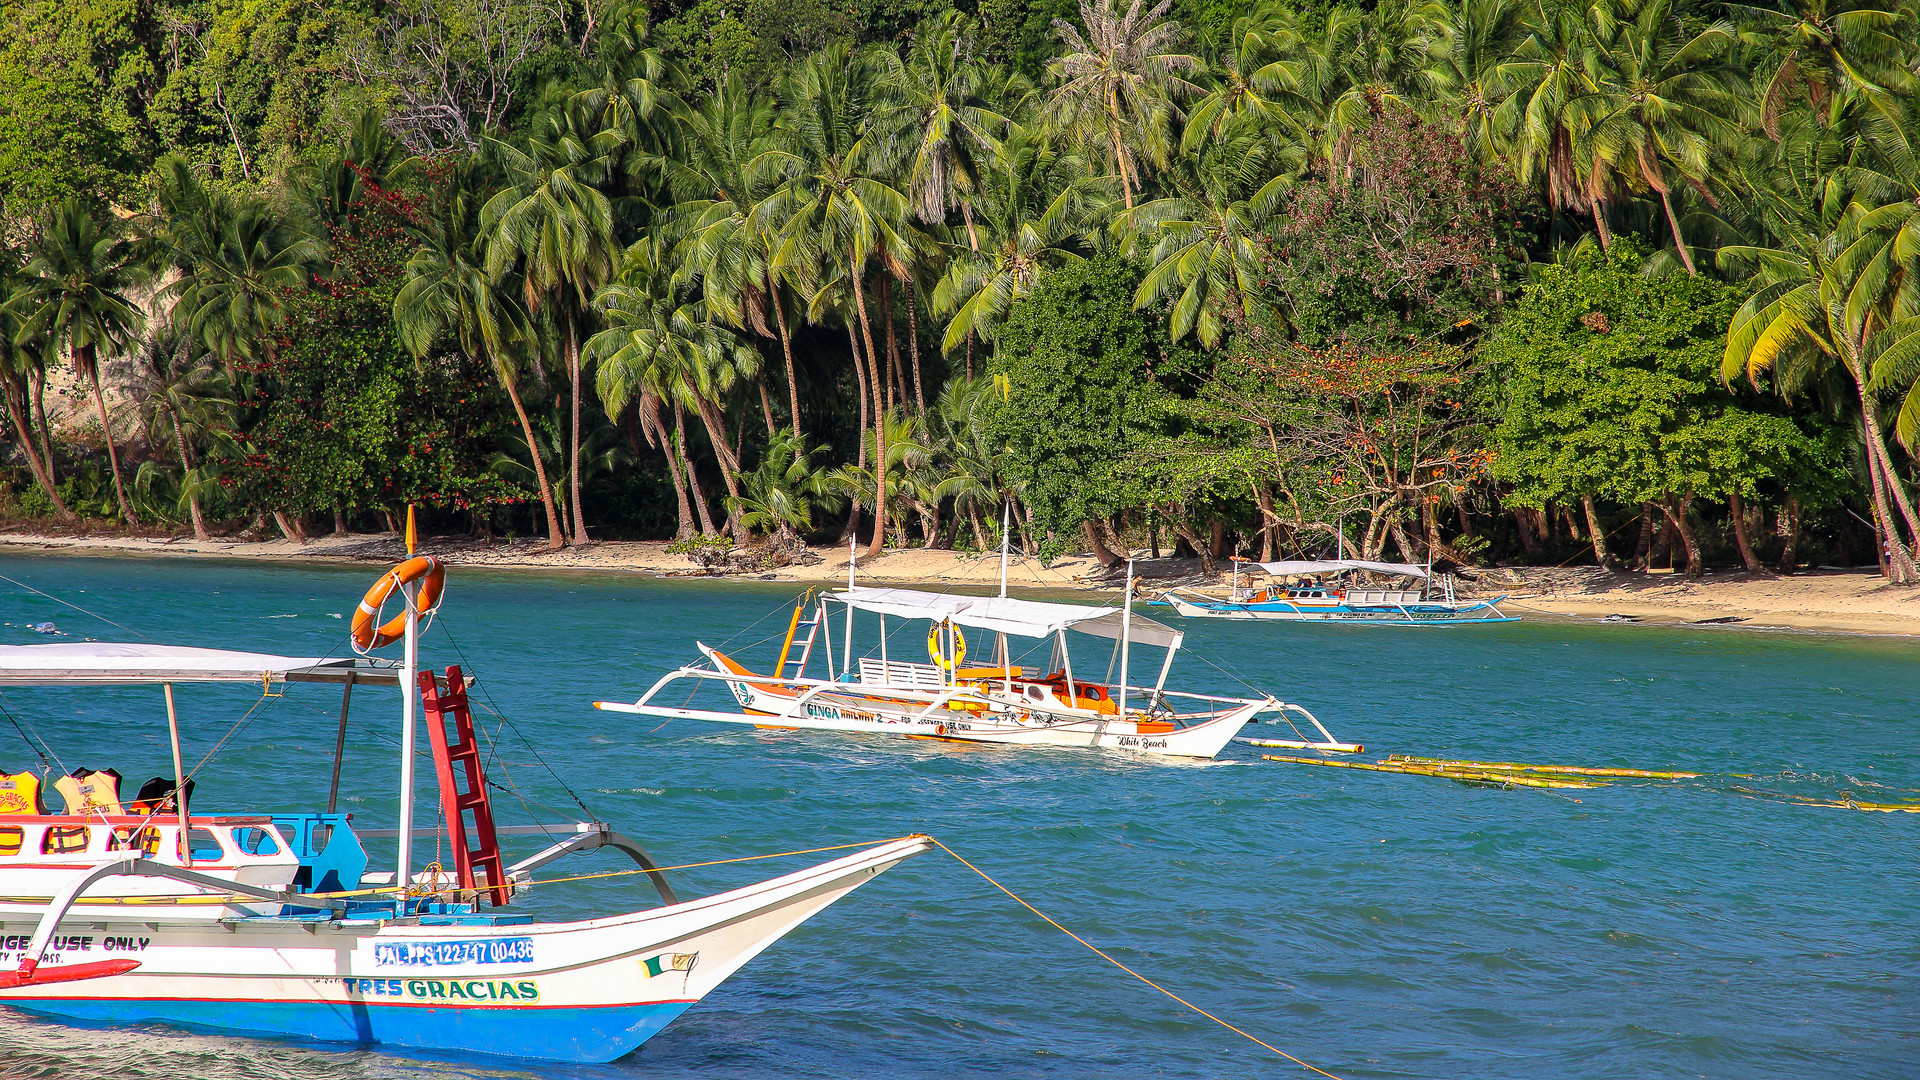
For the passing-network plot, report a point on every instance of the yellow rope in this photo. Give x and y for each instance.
(640, 870)
(1125, 968)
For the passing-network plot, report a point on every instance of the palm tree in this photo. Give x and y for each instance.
(718, 239)
(934, 109)
(1118, 80)
(1038, 210)
(1821, 297)
(73, 293)
(834, 204)
(781, 495)
(1251, 82)
(448, 288)
(1206, 234)
(658, 338)
(240, 261)
(23, 361)
(1483, 36)
(1829, 50)
(553, 222)
(184, 394)
(1660, 103)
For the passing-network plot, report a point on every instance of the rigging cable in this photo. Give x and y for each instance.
(75, 607)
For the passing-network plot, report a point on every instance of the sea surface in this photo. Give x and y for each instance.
(1374, 925)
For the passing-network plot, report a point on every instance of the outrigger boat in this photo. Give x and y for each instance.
(1315, 598)
(270, 924)
(1004, 702)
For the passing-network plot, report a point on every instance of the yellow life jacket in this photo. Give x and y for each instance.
(19, 794)
(92, 793)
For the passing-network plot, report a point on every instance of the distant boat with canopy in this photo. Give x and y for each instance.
(267, 923)
(1327, 590)
(1008, 699)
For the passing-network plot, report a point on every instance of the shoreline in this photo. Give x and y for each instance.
(1857, 602)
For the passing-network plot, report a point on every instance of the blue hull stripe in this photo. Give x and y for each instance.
(589, 1035)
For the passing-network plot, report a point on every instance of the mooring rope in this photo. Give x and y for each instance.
(1102, 955)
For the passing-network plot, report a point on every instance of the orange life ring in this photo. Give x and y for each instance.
(366, 633)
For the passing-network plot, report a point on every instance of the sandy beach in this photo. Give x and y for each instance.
(1825, 600)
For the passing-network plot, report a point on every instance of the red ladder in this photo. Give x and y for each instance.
(461, 748)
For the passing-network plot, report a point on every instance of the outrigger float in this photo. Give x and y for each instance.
(1001, 702)
(1315, 598)
(269, 924)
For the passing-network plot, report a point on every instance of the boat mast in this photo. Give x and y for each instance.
(846, 658)
(179, 778)
(410, 592)
(1126, 630)
(1000, 640)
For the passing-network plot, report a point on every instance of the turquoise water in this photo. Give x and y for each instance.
(1375, 925)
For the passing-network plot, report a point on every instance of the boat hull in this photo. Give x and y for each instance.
(589, 991)
(1423, 614)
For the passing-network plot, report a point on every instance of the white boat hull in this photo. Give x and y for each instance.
(588, 991)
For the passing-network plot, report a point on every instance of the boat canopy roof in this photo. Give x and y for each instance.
(1006, 615)
(1334, 566)
(105, 663)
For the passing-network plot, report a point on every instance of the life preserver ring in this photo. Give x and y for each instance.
(367, 632)
(936, 649)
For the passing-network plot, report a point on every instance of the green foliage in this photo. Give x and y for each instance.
(1079, 366)
(1610, 388)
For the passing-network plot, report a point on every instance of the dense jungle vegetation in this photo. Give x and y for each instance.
(1628, 281)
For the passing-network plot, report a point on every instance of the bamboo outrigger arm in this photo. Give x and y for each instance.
(130, 865)
(594, 835)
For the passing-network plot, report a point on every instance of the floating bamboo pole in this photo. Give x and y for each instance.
(1515, 766)
(1474, 776)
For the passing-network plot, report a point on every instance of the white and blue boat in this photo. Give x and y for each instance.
(1325, 590)
(142, 910)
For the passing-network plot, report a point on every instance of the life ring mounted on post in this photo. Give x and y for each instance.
(937, 651)
(368, 632)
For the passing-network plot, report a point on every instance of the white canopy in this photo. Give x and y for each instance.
(1334, 566)
(1006, 615)
(102, 663)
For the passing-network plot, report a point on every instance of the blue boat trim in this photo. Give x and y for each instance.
(588, 1035)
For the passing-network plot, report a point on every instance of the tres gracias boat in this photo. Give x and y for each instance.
(1313, 600)
(997, 702)
(265, 923)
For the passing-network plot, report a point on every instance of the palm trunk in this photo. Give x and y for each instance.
(913, 345)
(1792, 537)
(1099, 549)
(1600, 555)
(39, 378)
(896, 379)
(693, 478)
(106, 430)
(1676, 510)
(1884, 483)
(573, 436)
(859, 377)
(556, 538)
(1528, 544)
(879, 420)
(200, 532)
(1643, 549)
(786, 351)
(18, 410)
(1674, 224)
(766, 405)
(1600, 224)
(657, 435)
(979, 527)
(289, 528)
(716, 426)
(1737, 509)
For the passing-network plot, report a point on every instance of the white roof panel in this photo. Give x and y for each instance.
(1334, 566)
(1007, 615)
(105, 663)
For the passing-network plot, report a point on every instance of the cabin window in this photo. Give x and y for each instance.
(145, 839)
(203, 846)
(65, 840)
(11, 837)
(256, 841)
